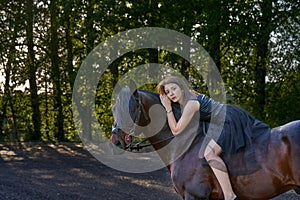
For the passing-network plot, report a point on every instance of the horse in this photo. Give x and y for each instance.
(278, 163)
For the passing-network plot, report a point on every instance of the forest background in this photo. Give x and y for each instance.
(254, 44)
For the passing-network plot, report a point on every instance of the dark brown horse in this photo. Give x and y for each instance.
(276, 169)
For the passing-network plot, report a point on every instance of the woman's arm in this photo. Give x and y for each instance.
(188, 112)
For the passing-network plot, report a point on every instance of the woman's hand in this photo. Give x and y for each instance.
(166, 102)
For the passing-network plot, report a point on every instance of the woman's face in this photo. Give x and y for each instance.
(174, 92)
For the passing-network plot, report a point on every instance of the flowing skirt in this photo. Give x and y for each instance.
(240, 130)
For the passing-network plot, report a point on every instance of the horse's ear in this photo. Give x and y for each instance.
(132, 87)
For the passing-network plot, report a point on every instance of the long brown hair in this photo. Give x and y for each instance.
(187, 93)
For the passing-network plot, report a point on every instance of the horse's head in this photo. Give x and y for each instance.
(135, 112)
(119, 137)
(129, 114)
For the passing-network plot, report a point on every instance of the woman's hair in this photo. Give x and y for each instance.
(187, 93)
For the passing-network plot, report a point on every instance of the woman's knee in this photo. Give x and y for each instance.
(209, 153)
(214, 160)
(212, 150)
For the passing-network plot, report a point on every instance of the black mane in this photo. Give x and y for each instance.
(152, 94)
(175, 106)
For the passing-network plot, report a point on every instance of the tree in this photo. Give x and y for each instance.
(32, 69)
(8, 53)
(265, 27)
(54, 45)
(253, 43)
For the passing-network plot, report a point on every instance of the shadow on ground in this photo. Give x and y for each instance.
(67, 171)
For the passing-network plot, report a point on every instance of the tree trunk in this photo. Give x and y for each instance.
(115, 73)
(213, 11)
(214, 31)
(36, 115)
(6, 97)
(56, 72)
(262, 56)
(46, 114)
(7, 92)
(86, 119)
(69, 43)
(153, 58)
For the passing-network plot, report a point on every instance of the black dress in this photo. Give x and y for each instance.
(239, 129)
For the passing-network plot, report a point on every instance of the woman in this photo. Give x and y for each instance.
(236, 133)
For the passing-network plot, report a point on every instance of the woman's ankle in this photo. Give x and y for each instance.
(231, 197)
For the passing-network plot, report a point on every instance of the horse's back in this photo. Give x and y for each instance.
(291, 128)
(288, 134)
(279, 169)
(279, 165)
(287, 140)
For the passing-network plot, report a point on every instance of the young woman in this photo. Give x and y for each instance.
(236, 132)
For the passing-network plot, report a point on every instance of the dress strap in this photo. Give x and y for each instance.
(193, 97)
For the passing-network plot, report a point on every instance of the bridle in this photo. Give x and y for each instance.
(139, 145)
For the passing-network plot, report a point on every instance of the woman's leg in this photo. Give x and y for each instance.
(211, 154)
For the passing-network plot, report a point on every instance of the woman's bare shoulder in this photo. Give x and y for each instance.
(192, 105)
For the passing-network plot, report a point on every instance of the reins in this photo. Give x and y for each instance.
(138, 146)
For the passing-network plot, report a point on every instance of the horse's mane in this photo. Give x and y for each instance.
(122, 105)
(121, 109)
(153, 95)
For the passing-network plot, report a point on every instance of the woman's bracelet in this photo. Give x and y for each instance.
(169, 110)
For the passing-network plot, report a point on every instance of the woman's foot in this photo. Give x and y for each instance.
(233, 198)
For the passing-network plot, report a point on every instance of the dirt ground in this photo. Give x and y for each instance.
(67, 171)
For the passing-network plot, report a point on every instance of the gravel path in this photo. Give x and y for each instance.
(33, 171)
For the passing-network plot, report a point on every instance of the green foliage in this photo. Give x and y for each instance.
(244, 38)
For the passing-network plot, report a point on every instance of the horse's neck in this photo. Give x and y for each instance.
(150, 98)
(171, 153)
(162, 139)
